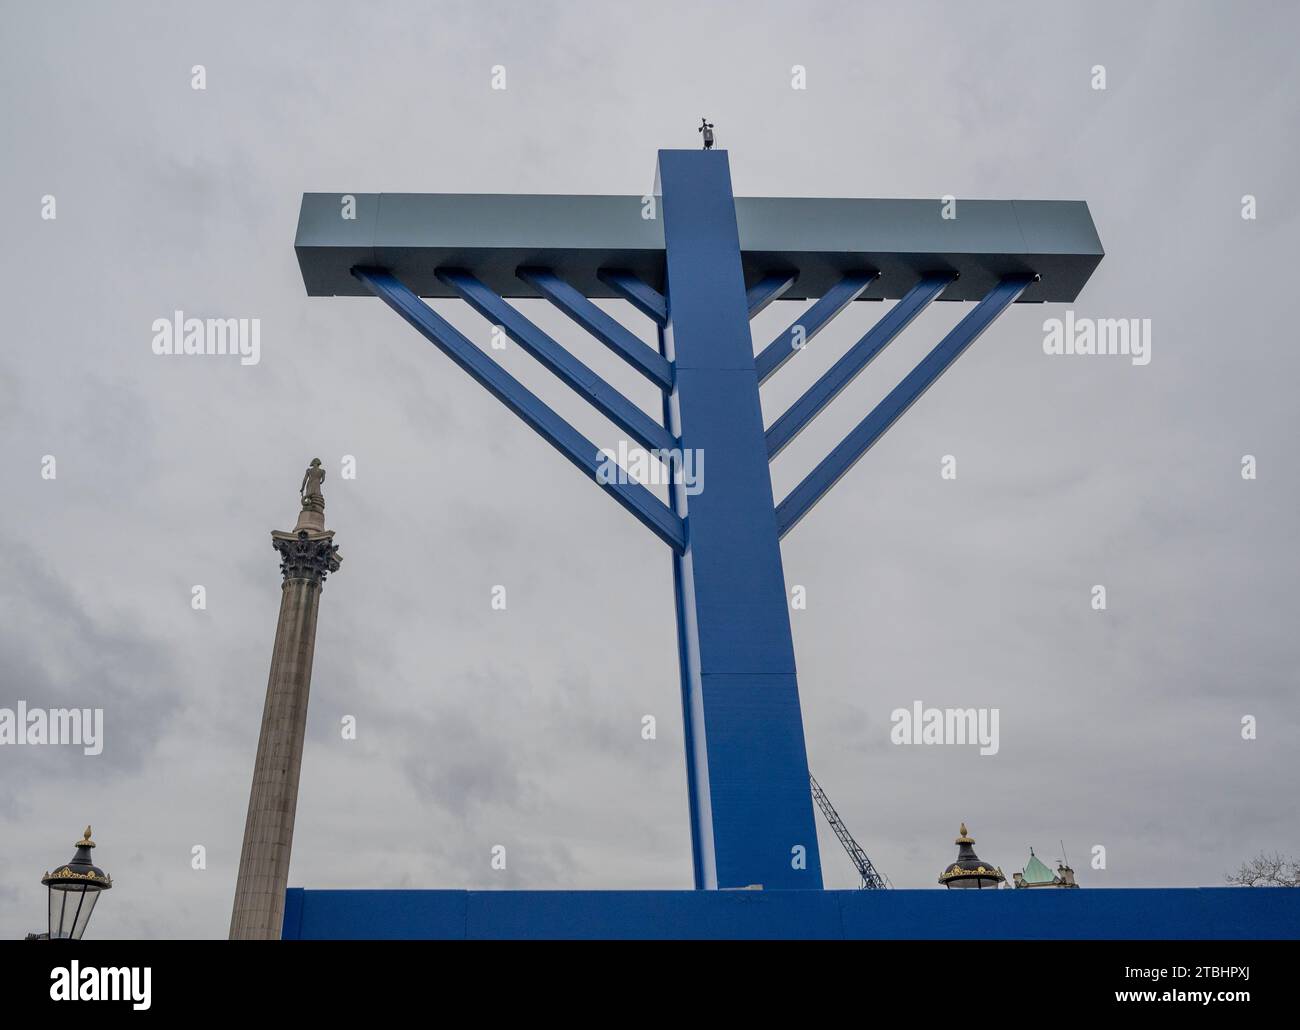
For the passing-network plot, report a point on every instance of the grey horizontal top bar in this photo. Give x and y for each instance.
(491, 235)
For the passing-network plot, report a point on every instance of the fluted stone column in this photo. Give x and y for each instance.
(307, 555)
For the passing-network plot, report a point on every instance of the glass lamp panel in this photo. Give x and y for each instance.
(89, 896)
(59, 899)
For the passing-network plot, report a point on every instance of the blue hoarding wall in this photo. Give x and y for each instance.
(1223, 913)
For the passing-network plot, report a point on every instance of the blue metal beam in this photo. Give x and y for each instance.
(844, 371)
(903, 396)
(811, 322)
(747, 768)
(551, 427)
(608, 401)
(626, 344)
(766, 290)
(632, 289)
(490, 235)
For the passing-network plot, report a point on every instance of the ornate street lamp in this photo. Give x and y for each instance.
(74, 889)
(970, 871)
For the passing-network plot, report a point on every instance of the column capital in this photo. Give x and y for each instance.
(306, 554)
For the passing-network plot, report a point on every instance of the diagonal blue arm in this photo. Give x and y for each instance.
(607, 330)
(608, 401)
(844, 371)
(514, 395)
(766, 290)
(812, 322)
(645, 299)
(902, 397)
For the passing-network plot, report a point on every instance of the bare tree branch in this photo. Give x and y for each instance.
(1265, 870)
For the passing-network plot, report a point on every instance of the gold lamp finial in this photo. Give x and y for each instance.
(963, 829)
(85, 841)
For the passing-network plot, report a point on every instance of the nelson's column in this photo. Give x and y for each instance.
(307, 556)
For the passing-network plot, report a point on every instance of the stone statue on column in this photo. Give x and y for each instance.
(307, 555)
(312, 498)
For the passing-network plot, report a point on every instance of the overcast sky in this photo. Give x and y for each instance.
(1119, 728)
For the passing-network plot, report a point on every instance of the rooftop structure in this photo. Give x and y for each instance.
(1036, 874)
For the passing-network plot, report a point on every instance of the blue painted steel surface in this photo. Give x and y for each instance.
(572, 372)
(858, 357)
(751, 812)
(811, 322)
(1208, 913)
(572, 444)
(821, 239)
(623, 342)
(766, 290)
(645, 299)
(903, 396)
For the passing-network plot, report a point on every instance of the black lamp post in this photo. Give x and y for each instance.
(74, 889)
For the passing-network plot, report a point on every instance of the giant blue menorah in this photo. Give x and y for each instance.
(700, 264)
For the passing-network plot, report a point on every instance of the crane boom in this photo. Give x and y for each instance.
(871, 879)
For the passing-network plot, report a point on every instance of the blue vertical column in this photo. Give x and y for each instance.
(751, 812)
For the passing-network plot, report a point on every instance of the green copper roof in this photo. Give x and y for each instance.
(1036, 872)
